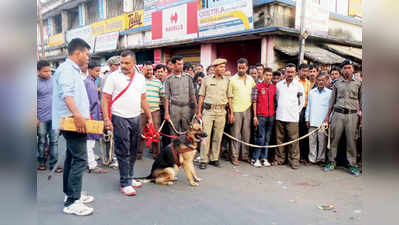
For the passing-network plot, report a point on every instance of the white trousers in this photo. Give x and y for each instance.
(91, 160)
(317, 146)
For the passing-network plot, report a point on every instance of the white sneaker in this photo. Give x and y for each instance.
(256, 163)
(266, 163)
(78, 208)
(136, 184)
(84, 198)
(128, 191)
(114, 164)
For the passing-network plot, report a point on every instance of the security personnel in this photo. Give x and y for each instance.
(213, 96)
(345, 101)
(180, 101)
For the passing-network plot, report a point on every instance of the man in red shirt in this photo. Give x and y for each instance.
(263, 99)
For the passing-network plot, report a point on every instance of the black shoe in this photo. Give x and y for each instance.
(202, 165)
(215, 163)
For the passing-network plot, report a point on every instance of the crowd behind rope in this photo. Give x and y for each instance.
(256, 105)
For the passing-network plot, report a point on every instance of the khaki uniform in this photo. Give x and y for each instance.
(216, 93)
(346, 101)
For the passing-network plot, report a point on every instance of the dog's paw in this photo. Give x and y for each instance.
(169, 183)
(197, 179)
(194, 184)
(173, 179)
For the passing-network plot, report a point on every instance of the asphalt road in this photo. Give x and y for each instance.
(226, 196)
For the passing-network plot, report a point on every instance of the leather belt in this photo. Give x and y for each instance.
(181, 104)
(345, 111)
(218, 107)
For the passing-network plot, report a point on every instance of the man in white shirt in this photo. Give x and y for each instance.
(290, 101)
(123, 96)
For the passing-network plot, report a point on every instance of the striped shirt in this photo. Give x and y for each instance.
(154, 92)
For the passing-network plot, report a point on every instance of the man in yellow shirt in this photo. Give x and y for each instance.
(240, 86)
(303, 73)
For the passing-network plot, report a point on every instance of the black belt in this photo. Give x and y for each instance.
(345, 111)
(181, 104)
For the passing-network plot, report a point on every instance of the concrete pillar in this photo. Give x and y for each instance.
(83, 14)
(263, 51)
(64, 21)
(102, 9)
(50, 26)
(270, 51)
(208, 54)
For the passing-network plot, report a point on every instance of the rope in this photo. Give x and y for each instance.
(150, 135)
(323, 127)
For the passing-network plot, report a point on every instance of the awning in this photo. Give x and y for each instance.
(313, 53)
(345, 50)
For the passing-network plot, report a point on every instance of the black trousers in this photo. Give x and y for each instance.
(304, 143)
(74, 166)
(127, 134)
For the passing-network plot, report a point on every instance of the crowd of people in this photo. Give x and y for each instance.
(256, 105)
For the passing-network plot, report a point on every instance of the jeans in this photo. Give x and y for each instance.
(127, 134)
(42, 132)
(265, 127)
(74, 166)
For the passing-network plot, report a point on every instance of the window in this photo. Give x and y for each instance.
(335, 6)
(57, 24)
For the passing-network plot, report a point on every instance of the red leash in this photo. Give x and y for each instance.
(150, 135)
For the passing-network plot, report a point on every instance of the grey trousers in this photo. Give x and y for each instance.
(317, 146)
(339, 123)
(181, 117)
(241, 130)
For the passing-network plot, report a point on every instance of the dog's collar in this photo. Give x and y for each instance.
(189, 139)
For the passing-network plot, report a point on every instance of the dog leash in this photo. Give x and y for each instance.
(150, 135)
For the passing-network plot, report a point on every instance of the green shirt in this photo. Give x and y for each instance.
(154, 92)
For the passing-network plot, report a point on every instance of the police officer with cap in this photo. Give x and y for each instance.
(214, 94)
(345, 102)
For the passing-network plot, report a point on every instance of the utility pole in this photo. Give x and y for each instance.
(39, 12)
(303, 34)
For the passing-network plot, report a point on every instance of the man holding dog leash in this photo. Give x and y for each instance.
(123, 96)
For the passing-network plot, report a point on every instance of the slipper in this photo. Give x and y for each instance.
(97, 170)
(58, 170)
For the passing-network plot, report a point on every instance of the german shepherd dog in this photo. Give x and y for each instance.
(180, 152)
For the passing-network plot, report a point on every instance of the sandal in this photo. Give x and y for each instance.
(97, 170)
(42, 167)
(276, 163)
(58, 170)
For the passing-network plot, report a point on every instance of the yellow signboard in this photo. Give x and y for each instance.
(56, 40)
(355, 8)
(134, 19)
(110, 25)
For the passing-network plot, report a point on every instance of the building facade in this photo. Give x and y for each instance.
(265, 31)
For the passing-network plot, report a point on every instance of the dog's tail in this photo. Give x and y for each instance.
(146, 179)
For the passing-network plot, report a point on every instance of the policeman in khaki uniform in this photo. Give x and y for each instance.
(213, 96)
(345, 102)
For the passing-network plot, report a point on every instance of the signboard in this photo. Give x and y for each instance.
(81, 32)
(110, 25)
(134, 19)
(106, 42)
(216, 3)
(355, 8)
(149, 7)
(232, 17)
(175, 23)
(56, 40)
(316, 18)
